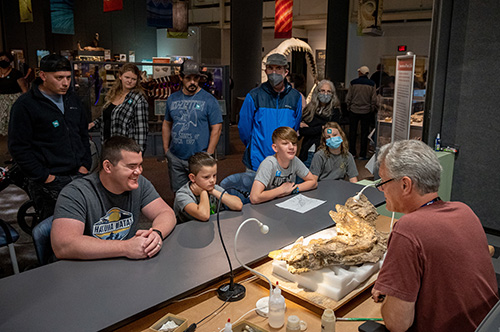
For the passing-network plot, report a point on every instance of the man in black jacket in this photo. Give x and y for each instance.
(48, 135)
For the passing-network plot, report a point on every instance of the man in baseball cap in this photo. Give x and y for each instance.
(190, 67)
(364, 70)
(193, 123)
(48, 135)
(271, 105)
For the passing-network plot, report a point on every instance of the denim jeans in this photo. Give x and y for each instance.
(178, 171)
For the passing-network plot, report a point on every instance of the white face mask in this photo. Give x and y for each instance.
(274, 79)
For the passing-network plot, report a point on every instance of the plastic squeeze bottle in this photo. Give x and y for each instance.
(229, 326)
(328, 321)
(276, 308)
(437, 143)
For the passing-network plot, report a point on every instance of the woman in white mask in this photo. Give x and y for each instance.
(324, 107)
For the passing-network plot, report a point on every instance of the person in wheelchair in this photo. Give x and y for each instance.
(48, 135)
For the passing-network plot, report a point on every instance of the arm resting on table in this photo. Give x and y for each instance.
(398, 315)
(161, 214)
(310, 182)
(259, 194)
(69, 242)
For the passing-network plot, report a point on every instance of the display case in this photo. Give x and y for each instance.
(386, 100)
(93, 79)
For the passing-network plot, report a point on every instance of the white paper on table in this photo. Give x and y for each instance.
(300, 203)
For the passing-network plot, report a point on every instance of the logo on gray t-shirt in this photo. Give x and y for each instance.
(115, 225)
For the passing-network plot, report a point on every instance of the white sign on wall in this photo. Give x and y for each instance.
(403, 97)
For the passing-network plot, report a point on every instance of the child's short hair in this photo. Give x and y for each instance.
(286, 134)
(199, 160)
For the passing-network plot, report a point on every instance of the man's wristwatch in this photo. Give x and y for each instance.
(159, 233)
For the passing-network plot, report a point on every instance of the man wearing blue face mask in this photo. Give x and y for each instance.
(271, 105)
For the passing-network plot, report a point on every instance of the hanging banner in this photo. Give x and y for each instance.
(25, 11)
(180, 20)
(283, 19)
(61, 15)
(112, 5)
(369, 15)
(159, 13)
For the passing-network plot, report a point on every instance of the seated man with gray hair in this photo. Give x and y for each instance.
(438, 274)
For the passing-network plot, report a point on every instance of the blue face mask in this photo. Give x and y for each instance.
(334, 142)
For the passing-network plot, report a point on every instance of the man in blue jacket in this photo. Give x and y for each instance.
(48, 135)
(271, 105)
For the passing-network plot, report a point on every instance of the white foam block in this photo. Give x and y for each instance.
(335, 281)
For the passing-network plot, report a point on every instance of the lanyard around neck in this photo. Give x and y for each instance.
(437, 199)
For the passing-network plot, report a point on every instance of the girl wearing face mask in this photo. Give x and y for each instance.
(333, 159)
(12, 84)
(323, 108)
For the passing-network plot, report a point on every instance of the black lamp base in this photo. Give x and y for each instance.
(226, 294)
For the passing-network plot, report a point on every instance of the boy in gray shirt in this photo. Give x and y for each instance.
(198, 198)
(277, 174)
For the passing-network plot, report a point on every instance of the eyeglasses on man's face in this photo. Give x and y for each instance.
(380, 184)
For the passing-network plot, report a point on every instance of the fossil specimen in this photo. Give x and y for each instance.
(357, 241)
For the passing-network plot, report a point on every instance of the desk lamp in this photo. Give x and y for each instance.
(230, 292)
(358, 195)
(264, 229)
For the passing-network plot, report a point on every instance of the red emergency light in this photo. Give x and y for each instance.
(402, 48)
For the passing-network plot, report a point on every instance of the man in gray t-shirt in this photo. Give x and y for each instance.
(98, 216)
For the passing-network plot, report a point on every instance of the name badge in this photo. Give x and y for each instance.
(55, 124)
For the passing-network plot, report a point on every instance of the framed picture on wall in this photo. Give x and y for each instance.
(320, 63)
(160, 106)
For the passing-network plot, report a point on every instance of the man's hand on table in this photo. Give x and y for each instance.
(145, 243)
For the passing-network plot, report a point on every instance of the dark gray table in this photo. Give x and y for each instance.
(105, 294)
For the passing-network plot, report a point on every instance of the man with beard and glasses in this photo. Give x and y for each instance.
(193, 123)
(271, 105)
